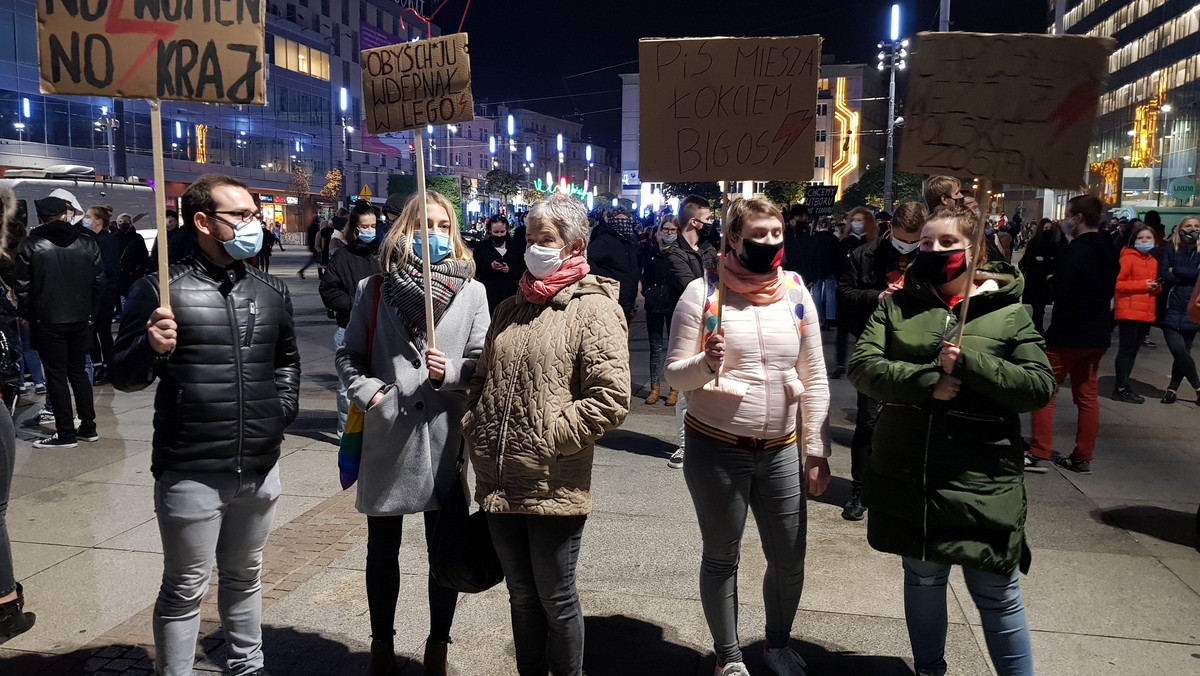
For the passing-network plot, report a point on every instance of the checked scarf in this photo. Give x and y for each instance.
(405, 293)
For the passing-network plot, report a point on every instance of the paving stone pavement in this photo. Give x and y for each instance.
(1114, 589)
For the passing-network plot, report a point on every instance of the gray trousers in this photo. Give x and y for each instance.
(725, 483)
(223, 518)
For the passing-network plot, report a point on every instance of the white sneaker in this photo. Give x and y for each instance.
(732, 669)
(676, 462)
(784, 661)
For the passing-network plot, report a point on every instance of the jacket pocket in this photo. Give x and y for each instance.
(728, 387)
(250, 324)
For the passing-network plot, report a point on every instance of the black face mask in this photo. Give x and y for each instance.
(1188, 235)
(499, 241)
(938, 267)
(761, 258)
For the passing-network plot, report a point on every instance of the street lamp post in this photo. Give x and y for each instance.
(1162, 152)
(892, 56)
(587, 153)
(108, 124)
(528, 162)
(512, 147)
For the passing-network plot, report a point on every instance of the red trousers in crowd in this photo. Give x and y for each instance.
(1082, 365)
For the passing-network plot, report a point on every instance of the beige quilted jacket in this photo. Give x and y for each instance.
(552, 380)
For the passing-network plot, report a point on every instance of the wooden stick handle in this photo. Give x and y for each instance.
(419, 146)
(160, 205)
(979, 244)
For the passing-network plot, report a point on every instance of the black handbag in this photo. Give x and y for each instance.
(462, 557)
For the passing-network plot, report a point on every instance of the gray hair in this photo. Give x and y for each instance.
(566, 215)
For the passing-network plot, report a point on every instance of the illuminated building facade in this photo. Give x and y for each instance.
(1148, 117)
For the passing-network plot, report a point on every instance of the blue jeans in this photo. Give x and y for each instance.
(998, 598)
(824, 294)
(343, 400)
(658, 324)
(31, 362)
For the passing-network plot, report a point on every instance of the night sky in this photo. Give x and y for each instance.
(525, 50)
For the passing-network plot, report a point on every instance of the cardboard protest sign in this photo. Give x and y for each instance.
(721, 108)
(819, 199)
(209, 50)
(1014, 108)
(412, 84)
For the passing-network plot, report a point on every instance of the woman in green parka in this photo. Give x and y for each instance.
(945, 483)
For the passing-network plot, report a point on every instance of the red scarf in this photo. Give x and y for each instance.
(759, 289)
(538, 291)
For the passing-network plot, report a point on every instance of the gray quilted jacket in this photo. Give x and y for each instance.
(552, 380)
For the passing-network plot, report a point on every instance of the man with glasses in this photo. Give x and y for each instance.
(692, 254)
(228, 368)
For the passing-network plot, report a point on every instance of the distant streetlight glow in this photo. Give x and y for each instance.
(344, 99)
(895, 22)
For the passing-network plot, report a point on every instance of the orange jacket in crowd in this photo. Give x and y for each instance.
(1135, 302)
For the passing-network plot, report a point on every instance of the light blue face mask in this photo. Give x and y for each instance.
(366, 236)
(247, 240)
(1144, 247)
(439, 247)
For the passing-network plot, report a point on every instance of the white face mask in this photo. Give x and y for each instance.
(542, 261)
(905, 247)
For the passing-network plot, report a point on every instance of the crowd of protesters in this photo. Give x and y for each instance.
(531, 367)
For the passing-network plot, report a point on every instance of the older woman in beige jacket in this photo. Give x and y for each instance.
(553, 378)
(758, 403)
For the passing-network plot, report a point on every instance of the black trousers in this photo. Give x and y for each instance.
(864, 431)
(1183, 366)
(102, 348)
(383, 580)
(64, 350)
(1130, 335)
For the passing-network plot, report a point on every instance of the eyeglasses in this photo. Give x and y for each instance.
(243, 215)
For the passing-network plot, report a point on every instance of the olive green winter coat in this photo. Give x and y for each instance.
(945, 481)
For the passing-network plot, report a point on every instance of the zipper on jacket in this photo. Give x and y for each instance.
(237, 365)
(501, 443)
(250, 324)
(925, 464)
(762, 357)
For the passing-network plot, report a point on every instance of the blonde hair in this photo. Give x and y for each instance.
(409, 224)
(937, 187)
(1175, 232)
(741, 209)
(870, 225)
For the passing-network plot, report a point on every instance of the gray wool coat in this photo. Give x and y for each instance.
(411, 436)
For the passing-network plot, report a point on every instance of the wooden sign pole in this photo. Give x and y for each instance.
(980, 244)
(160, 204)
(419, 148)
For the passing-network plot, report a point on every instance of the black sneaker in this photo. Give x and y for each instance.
(676, 461)
(53, 441)
(1035, 464)
(88, 435)
(1128, 396)
(1169, 397)
(43, 417)
(854, 510)
(1074, 464)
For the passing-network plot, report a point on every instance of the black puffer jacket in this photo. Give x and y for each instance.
(611, 255)
(59, 275)
(349, 265)
(232, 384)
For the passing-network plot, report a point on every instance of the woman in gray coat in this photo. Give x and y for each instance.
(413, 397)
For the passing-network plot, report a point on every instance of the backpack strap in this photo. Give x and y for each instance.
(374, 315)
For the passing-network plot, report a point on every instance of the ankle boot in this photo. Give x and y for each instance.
(435, 661)
(672, 397)
(383, 658)
(654, 394)
(13, 618)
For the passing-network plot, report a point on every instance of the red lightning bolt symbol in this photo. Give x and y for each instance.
(791, 129)
(1080, 104)
(116, 25)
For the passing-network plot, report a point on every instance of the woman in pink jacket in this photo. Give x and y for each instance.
(758, 401)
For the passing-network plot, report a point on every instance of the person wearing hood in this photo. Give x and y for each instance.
(945, 483)
(498, 263)
(1038, 267)
(14, 619)
(1134, 307)
(228, 370)
(553, 378)
(75, 212)
(356, 261)
(135, 259)
(97, 220)
(660, 303)
(1179, 268)
(414, 397)
(873, 272)
(757, 426)
(615, 252)
(60, 276)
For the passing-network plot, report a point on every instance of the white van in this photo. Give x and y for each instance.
(135, 199)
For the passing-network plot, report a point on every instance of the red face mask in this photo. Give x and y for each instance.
(939, 267)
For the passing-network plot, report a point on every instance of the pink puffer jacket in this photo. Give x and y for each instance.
(773, 381)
